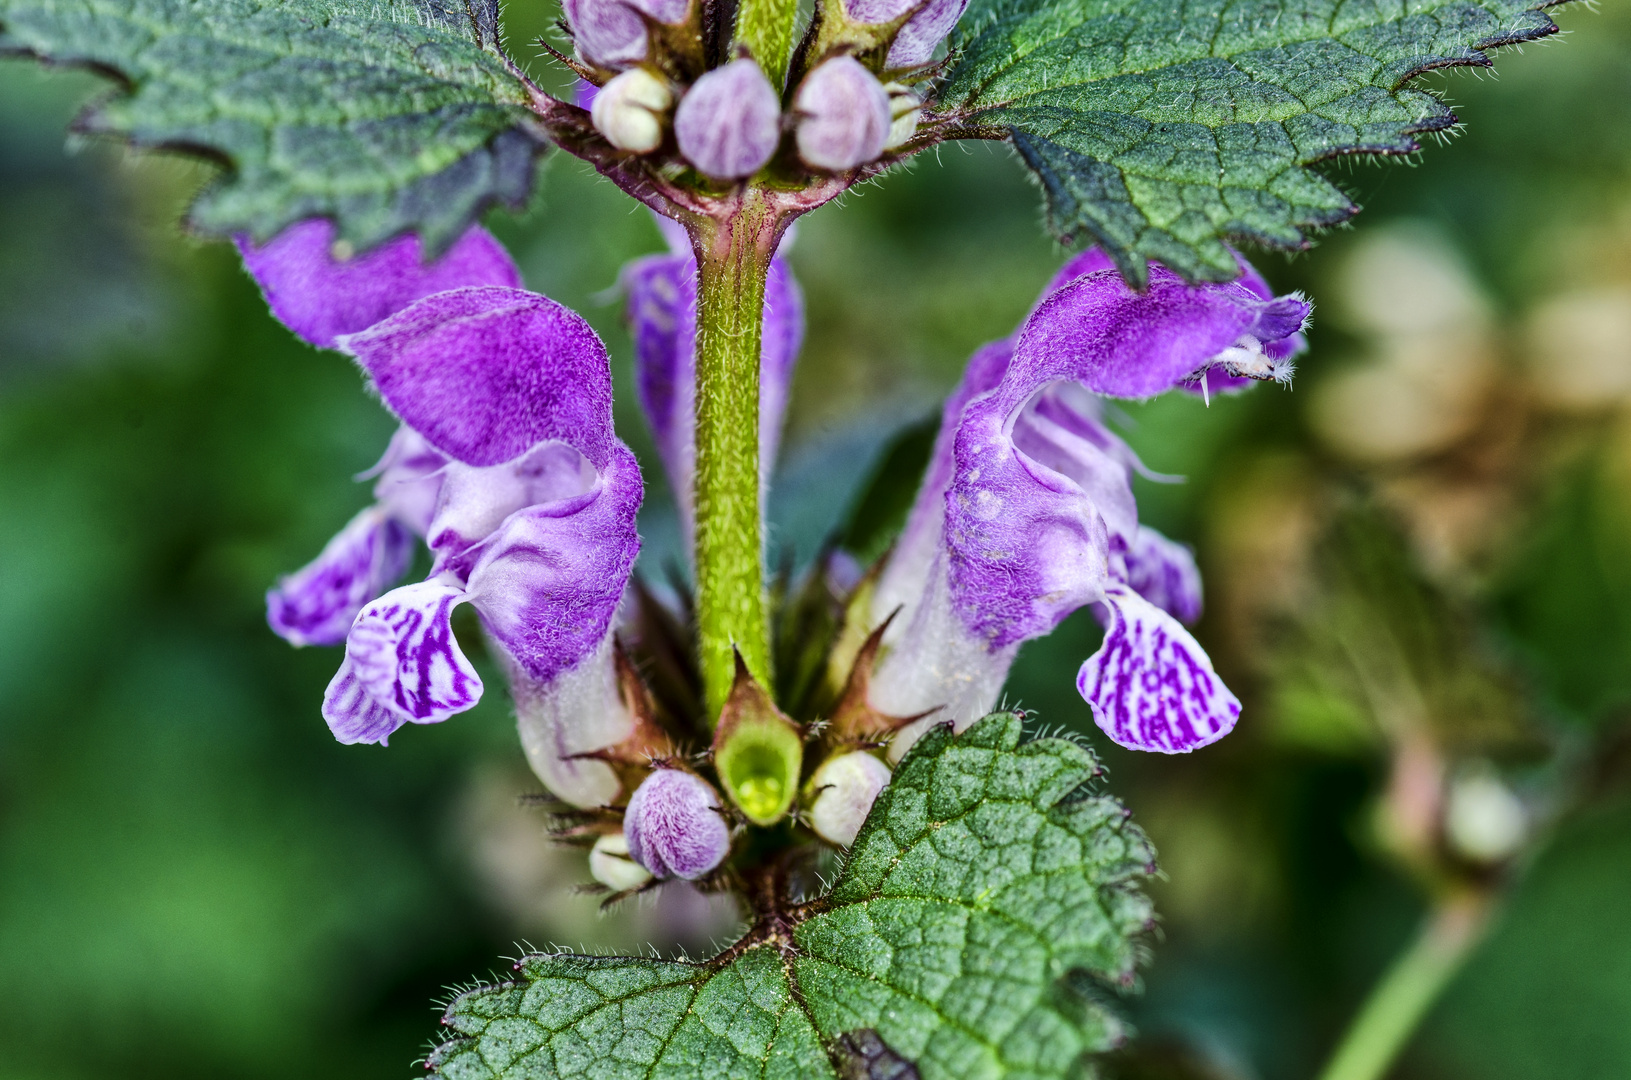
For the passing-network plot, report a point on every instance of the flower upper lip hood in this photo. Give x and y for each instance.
(1026, 511)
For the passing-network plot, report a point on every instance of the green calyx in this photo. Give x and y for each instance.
(758, 751)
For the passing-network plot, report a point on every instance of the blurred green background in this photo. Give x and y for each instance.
(195, 880)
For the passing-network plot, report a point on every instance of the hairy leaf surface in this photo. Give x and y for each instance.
(385, 115)
(985, 899)
(1160, 129)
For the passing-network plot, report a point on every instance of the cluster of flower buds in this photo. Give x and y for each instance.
(847, 102)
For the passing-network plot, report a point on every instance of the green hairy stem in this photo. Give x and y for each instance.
(766, 28)
(733, 257)
(1408, 990)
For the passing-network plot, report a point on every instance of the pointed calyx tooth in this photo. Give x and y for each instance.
(854, 721)
(729, 122)
(758, 751)
(611, 864)
(629, 110)
(673, 826)
(841, 794)
(843, 115)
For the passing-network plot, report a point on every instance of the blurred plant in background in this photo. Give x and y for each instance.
(1419, 569)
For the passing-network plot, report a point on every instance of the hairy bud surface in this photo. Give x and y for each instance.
(729, 123)
(843, 115)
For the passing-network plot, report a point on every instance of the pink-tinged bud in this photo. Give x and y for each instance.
(629, 110)
(729, 123)
(844, 789)
(673, 825)
(611, 33)
(611, 865)
(843, 115)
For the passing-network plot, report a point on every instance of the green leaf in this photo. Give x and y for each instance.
(1161, 129)
(986, 899)
(385, 115)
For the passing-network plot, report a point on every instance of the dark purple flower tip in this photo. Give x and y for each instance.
(843, 115)
(673, 825)
(486, 374)
(1151, 685)
(317, 604)
(629, 111)
(729, 122)
(611, 33)
(322, 297)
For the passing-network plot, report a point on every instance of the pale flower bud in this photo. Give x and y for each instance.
(843, 115)
(845, 787)
(629, 109)
(905, 110)
(729, 123)
(673, 826)
(611, 865)
(611, 33)
(1484, 821)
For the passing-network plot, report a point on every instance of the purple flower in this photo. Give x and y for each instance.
(662, 311)
(673, 825)
(533, 526)
(1027, 513)
(729, 122)
(843, 115)
(916, 41)
(612, 33)
(507, 464)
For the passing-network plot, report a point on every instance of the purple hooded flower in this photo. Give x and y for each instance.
(1027, 513)
(320, 298)
(673, 825)
(533, 526)
(662, 309)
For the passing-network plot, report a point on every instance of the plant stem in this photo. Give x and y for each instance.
(733, 257)
(766, 28)
(1399, 1002)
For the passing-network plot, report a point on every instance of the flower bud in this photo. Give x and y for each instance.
(611, 33)
(844, 789)
(673, 826)
(610, 864)
(843, 115)
(905, 110)
(628, 110)
(729, 123)
(1484, 821)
